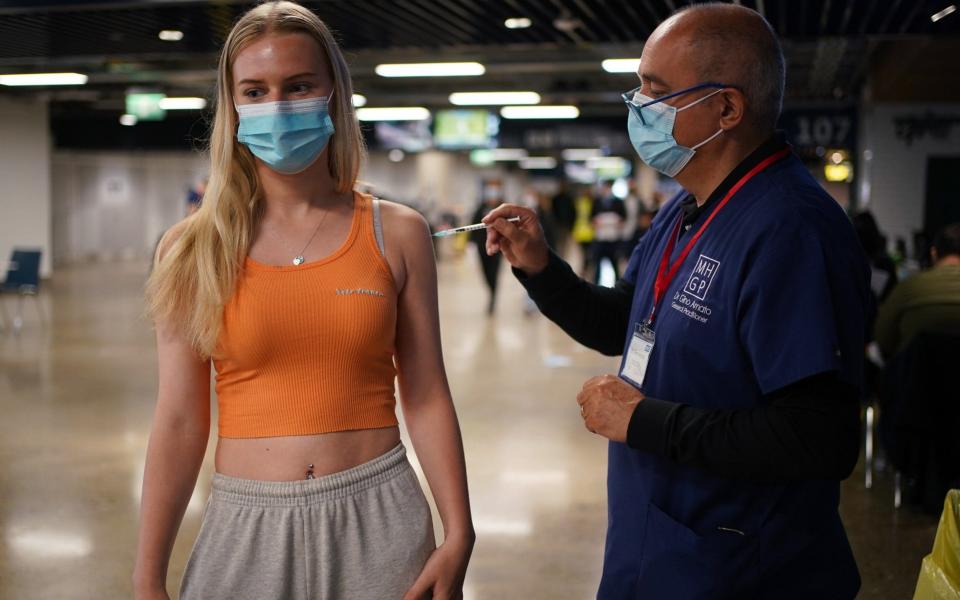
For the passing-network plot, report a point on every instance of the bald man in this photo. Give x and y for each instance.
(741, 321)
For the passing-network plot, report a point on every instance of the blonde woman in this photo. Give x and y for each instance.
(309, 299)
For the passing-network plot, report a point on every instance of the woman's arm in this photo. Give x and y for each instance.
(178, 441)
(425, 398)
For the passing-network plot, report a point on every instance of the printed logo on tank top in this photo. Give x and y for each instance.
(360, 291)
(690, 301)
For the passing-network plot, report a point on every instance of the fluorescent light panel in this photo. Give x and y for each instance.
(606, 162)
(128, 120)
(538, 162)
(493, 98)
(43, 79)
(540, 112)
(582, 153)
(404, 113)
(451, 69)
(503, 154)
(171, 35)
(621, 65)
(359, 100)
(517, 23)
(943, 13)
(183, 104)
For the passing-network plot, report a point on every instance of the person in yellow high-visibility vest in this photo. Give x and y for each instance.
(583, 227)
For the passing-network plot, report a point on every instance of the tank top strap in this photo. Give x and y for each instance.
(371, 224)
(378, 225)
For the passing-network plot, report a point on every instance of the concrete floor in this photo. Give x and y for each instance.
(77, 400)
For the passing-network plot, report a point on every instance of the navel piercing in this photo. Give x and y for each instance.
(310, 472)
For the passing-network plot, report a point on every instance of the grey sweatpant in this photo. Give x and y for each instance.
(364, 533)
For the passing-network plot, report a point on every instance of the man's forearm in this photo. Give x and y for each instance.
(595, 316)
(808, 430)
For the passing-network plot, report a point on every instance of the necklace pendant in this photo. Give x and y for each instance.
(298, 260)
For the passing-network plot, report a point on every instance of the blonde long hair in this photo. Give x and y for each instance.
(195, 274)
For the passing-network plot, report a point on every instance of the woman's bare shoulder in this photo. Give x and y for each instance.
(403, 221)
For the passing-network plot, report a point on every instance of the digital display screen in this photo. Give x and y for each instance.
(454, 129)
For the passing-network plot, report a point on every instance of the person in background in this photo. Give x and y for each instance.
(883, 272)
(899, 251)
(564, 216)
(445, 219)
(926, 302)
(635, 209)
(195, 196)
(541, 204)
(583, 228)
(492, 197)
(921, 255)
(633, 205)
(883, 280)
(644, 221)
(608, 216)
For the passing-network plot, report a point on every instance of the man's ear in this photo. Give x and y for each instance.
(734, 108)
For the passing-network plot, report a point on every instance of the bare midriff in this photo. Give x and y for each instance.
(288, 458)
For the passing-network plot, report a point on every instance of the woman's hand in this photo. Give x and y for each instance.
(445, 571)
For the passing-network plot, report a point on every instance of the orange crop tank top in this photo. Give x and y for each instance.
(309, 349)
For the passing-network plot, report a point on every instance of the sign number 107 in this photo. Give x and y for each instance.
(825, 131)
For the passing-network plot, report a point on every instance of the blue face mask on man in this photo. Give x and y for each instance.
(288, 135)
(650, 125)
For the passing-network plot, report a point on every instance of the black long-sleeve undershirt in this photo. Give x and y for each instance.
(594, 315)
(806, 430)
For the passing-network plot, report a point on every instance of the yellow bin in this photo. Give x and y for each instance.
(940, 571)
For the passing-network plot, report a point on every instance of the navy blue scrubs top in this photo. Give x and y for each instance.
(775, 291)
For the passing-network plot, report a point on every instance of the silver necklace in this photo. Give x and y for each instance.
(298, 259)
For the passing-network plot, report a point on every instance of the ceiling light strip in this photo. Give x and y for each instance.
(451, 69)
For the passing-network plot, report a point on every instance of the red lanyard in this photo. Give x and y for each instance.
(667, 272)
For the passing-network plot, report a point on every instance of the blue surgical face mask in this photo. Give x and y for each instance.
(288, 135)
(650, 125)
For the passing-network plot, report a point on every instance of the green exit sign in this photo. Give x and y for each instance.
(146, 107)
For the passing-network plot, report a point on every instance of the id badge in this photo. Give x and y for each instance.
(638, 355)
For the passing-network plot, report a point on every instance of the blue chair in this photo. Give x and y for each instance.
(23, 279)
